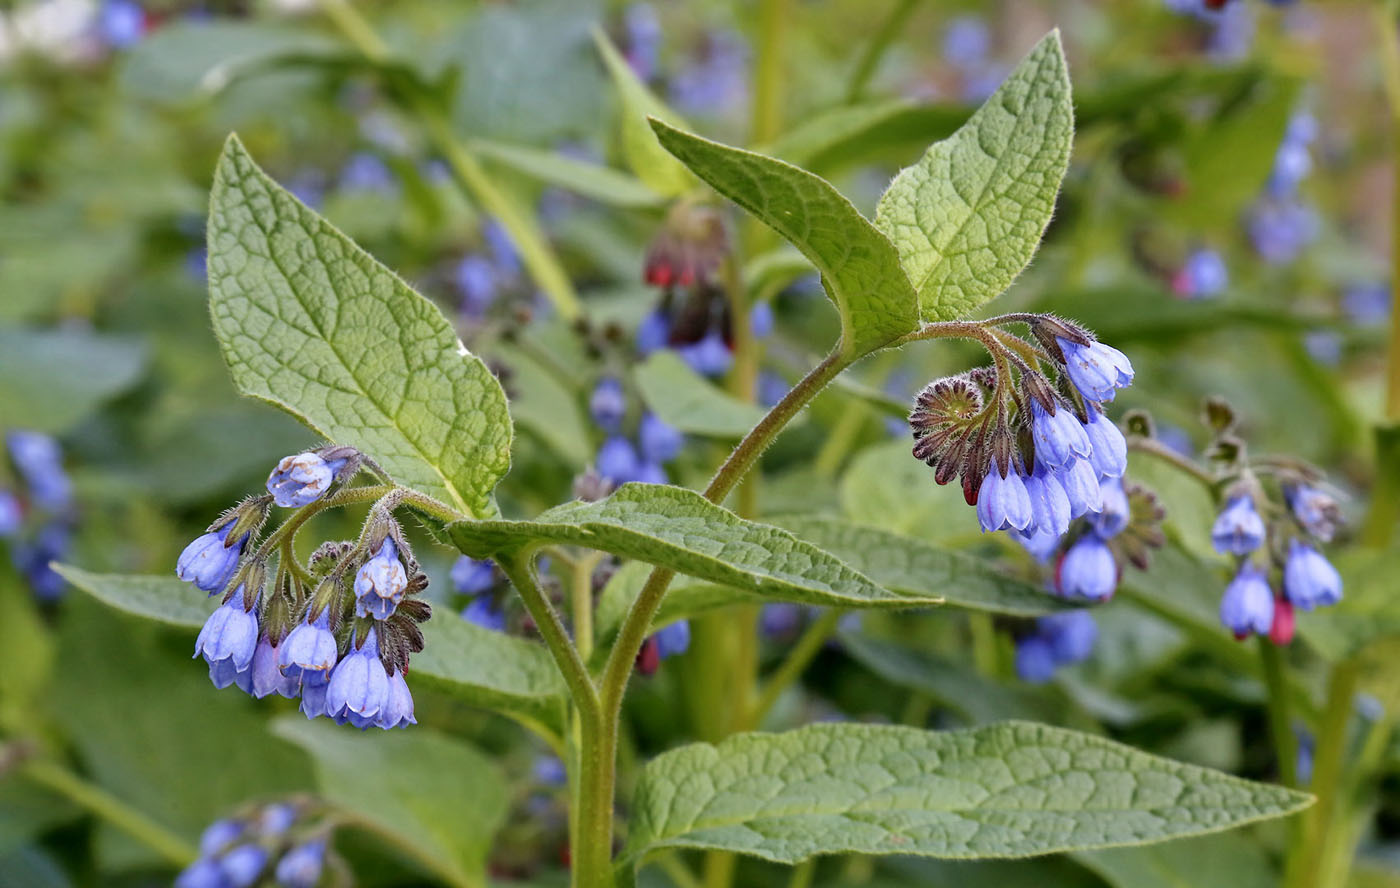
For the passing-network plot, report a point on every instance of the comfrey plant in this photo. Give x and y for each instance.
(311, 323)
(282, 843)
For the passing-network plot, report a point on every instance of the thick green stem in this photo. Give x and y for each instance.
(876, 49)
(520, 570)
(1280, 723)
(1390, 59)
(112, 809)
(1322, 825)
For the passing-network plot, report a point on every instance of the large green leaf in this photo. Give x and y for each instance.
(432, 795)
(859, 265)
(480, 667)
(655, 167)
(679, 529)
(310, 322)
(1224, 860)
(689, 401)
(542, 405)
(969, 215)
(1007, 790)
(50, 379)
(915, 567)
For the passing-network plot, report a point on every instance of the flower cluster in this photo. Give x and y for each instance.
(37, 517)
(618, 459)
(1289, 543)
(1056, 640)
(1280, 224)
(337, 632)
(283, 841)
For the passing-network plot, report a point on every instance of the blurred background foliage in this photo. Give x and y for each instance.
(1225, 222)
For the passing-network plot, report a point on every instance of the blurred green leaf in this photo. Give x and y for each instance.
(689, 401)
(27, 810)
(149, 727)
(51, 379)
(1368, 615)
(435, 797)
(164, 599)
(888, 488)
(644, 154)
(601, 183)
(679, 529)
(1225, 860)
(968, 217)
(542, 405)
(914, 567)
(1010, 789)
(33, 867)
(313, 324)
(859, 265)
(850, 134)
(185, 60)
(492, 670)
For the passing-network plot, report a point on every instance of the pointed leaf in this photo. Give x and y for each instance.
(1006, 790)
(313, 324)
(50, 379)
(432, 795)
(859, 265)
(968, 217)
(690, 402)
(653, 166)
(679, 529)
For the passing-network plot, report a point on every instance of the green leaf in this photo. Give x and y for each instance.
(689, 401)
(431, 795)
(1221, 859)
(313, 324)
(850, 134)
(977, 698)
(493, 671)
(601, 183)
(640, 148)
(679, 529)
(1007, 790)
(482, 668)
(164, 599)
(888, 488)
(188, 59)
(914, 567)
(542, 405)
(859, 265)
(968, 216)
(50, 379)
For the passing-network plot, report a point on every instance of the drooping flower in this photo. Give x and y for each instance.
(11, 515)
(1096, 369)
(1309, 579)
(1071, 634)
(276, 818)
(1248, 603)
(673, 640)
(1049, 503)
(485, 612)
(653, 333)
(203, 873)
(607, 405)
(761, 320)
(617, 460)
(309, 649)
(359, 686)
(380, 583)
(397, 711)
(1041, 544)
(1285, 622)
(1081, 488)
(1002, 501)
(302, 478)
(301, 867)
(1059, 437)
(39, 460)
(219, 835)
(210, 561)
(1035, 662)
(472, 577)
(313, 693)
(229, 636)
(1238, 529)
(660, 441)
(708, 357)
(242, 865)
(1110, 449)
(1316, 511)
(267, 676)
(1087, 570)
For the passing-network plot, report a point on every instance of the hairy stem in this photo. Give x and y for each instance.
(1322, 825)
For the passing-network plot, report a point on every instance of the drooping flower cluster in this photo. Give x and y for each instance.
(1287, 546)
(337, 632)
(1056, 640)
(619, 460)
(282, 841)
(37, 517)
